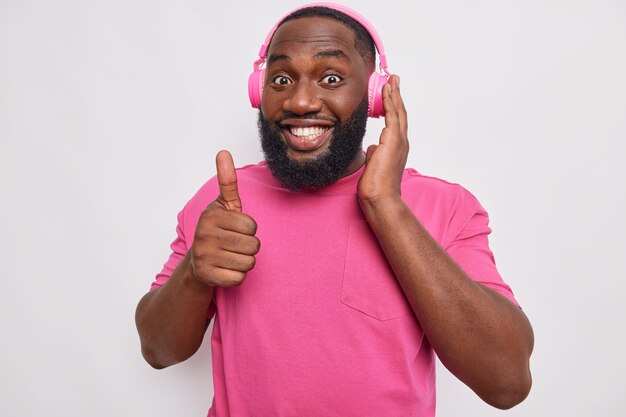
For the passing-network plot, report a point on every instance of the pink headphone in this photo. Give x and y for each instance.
(376, 82)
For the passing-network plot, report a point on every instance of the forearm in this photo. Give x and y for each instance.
(478, 334)
(172, 320)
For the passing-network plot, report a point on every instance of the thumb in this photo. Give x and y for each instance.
(370, 151)
(227, 180)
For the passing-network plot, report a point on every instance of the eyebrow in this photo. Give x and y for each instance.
(274, 58)
(334, 53)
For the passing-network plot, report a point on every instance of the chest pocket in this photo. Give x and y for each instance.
(369, 284)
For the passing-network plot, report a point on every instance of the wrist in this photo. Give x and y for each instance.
(187, 278)
(376, 194)
(386, 204)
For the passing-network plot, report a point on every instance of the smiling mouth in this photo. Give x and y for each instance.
(308, 133)
(308, 138)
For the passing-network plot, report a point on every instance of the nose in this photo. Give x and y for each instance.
(303, 98)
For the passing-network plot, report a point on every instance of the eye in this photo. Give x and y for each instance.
(331, 79)
(281, 80)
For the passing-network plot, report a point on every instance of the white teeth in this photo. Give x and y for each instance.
(308, 132)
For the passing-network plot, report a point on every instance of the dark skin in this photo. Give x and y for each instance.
(479, 335)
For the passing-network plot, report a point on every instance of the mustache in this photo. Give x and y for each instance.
(308, 116)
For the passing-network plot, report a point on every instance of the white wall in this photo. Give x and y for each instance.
(111, 113)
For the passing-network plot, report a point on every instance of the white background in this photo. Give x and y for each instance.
(111, 113)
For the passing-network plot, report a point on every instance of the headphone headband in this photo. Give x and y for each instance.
(340, 8)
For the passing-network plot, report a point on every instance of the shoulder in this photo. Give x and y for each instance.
(439, 192)
(444, 208)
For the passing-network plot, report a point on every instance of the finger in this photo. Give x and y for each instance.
(235, 261)
(391, 112)
(238, 222)
(227, 180)
(238, 243)
(399, 103)
(395, 112)
(222, 277)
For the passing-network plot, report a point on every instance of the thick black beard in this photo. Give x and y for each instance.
(325, 169)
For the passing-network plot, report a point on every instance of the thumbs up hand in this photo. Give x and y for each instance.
(225, 243)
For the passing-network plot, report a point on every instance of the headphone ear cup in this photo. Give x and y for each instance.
(375, 94)
(255, 87)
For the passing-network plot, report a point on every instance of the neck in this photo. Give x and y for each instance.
(355, 165)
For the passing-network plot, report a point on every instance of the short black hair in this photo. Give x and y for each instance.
(364, 44)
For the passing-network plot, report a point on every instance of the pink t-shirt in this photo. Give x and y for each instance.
(320, 326)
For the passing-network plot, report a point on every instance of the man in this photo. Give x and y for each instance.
(333, 274)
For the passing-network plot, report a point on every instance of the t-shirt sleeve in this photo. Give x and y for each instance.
(187, 220)
(179, 250)
(469, 245)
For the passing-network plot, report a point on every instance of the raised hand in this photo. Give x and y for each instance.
(225, 242)
(385, 162)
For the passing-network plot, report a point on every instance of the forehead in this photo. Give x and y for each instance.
(313, 32)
